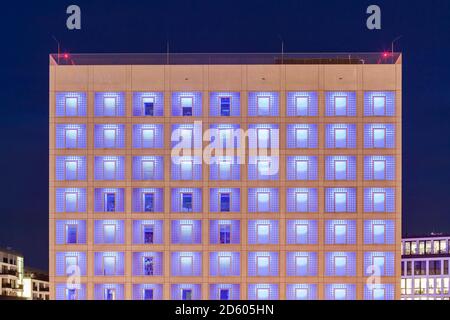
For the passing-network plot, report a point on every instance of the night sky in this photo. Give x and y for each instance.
(218, 26)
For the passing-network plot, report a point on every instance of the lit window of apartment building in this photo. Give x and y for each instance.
(228, 177)
(425, 268)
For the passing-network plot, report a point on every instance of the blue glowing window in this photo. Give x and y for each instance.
(186, 231)
(148, 294)
(186, 105)
(225, 201)
(71, 294)
(301, 293)
(379, 201)
(71, 106)
(109, 138)
(186, 294)
(186, 169)
(109, 202)
(301, 233)
(71, 170)
(262, 266)
(224, 233)
(71, 264)
(71, 138)
(147, 234)
(109, 106)
(148, 138)
(225, 106)
(302, 105)
(71, 202)
(148, 169)
(109, 169)
(340, 169)
(263, 138)
(71, 233)
(225, 170)
(149, 201)
(340, 293)
(109, 233)
(263, 233)
(340, 136)
(186, 265)
(263, 201)
(379, 169)
(302, 137)
(340, 201)
(379, 137)
(262, 293)
(379, 231)
(263, 105)
(186, 202)
(301, 169)
(379, 105)
(109, 266)
(340, 105)
(110, 294)
(340, 234)
(224, 294)
(340, 266)
(379, 263)
(301, 266)
(301, 202)
(148, 104)
(263, 168)
(378, 293)
(224, 265)
(147, 265)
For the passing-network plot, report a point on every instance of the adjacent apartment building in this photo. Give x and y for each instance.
(424, 268)
(304, 203)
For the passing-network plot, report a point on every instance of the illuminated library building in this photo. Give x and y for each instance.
(307, 206)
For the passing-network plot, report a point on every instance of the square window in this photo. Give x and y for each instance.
(186, 266)
(224, 294)
(262, 293)
(301, 266)
(225, 201)
(71, 233)
(379, 231)
(301, 202)
(148, 104)
(109, 138)
(302, 105)
(263, 201)
(379, 201)
(340, 202)
(186, 169)
(71, 138)
(224, 234)
(340, 234)
(301, 169)
(109, 266)
(186, 231)
(340, 293)
(263, 138)
(301, 293)
(109, 170)
(379, 169)
(340, 266)
(186, 294)
(301, 234)
(187, 104)
(301, 137)
(224, 265)
(71, 106)
(148, 294)
(148, 138)
(340, 106)
(379, 105)
(147, 234)
(262, 266)
(340, 136)
(148, 169)
(71, 202)
(340, 169)
(109, 106)
(148, 199)
(263, 233)
(71, 172)
(378, 294)
(109, 233)
(225, 106)
(379, 137)
(186, 202)
(225, 170)
(110, 202)
(263, 105)
(263, 168)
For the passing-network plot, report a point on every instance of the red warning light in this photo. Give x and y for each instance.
(385, 54)
(66, 55)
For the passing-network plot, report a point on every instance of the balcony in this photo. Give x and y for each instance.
(9, 272)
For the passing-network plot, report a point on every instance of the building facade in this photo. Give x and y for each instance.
(11, 273)
(424, 268)
(146, 204)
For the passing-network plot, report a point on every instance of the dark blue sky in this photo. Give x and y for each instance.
(27, 27)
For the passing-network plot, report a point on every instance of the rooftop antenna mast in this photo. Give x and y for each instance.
(57, 42)
(392, 46)
(167, 53)
(282, 49)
